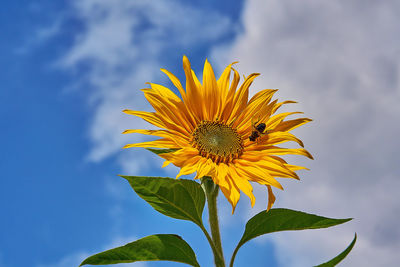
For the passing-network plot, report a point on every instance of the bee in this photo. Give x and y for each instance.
(258, 130)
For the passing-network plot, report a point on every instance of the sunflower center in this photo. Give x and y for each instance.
(217, 141)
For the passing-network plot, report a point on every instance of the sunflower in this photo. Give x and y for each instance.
(215, 131)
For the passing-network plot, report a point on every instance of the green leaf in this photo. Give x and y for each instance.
(276, 220)
(341, 256)
(180, 199)
(283, 220)
(161, 151)
(162, 247)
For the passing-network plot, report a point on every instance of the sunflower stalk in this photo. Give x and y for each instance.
(211, 130)
(211, 190)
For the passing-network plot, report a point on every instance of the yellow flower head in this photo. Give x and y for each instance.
(214, 130)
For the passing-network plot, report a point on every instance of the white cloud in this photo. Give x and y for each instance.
(340, 60)
(123, 45)
(39, 36)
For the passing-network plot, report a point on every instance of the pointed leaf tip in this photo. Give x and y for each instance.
(276, 220)
(161, 247)
(341, 256)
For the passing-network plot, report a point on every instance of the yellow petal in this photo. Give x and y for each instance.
(223, 81)
(176, 82)
(243, 184)
(189, 168)
(211, 92)
(263, 96)
(272, 122)
(179, 157)
(231, 192)
(165, 92)
(206, 167)
(220, 102)
(178, 138)
(256, 174)
(156, 120)
(261, 113)
(252, 111)
(160, 143)
(147, 116)
(289, 125)
(277, 106)
(284, 151)
(179, 107)
(165, 164)
(201, 102)
(170, 114)
(228, 103)
(275, 138)
(234, 84)
(295, 167)
(271, 198)
(197, 82)
(193, 94)
(274, 167)
(274, 171)
(241, 97)
(221, 175)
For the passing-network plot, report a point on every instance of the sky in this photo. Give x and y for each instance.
(68, 69)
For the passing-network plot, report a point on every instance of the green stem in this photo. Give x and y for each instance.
(211, 191)
(211, 242)
(233, 256)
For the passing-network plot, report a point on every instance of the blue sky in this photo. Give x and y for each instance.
(70, 67)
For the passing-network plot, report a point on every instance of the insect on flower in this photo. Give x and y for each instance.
(207, 131)
(258, 131)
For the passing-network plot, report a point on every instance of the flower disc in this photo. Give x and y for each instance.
(217, 141)
(207, 131)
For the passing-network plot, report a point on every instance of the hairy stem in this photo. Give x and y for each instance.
(211, 191)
